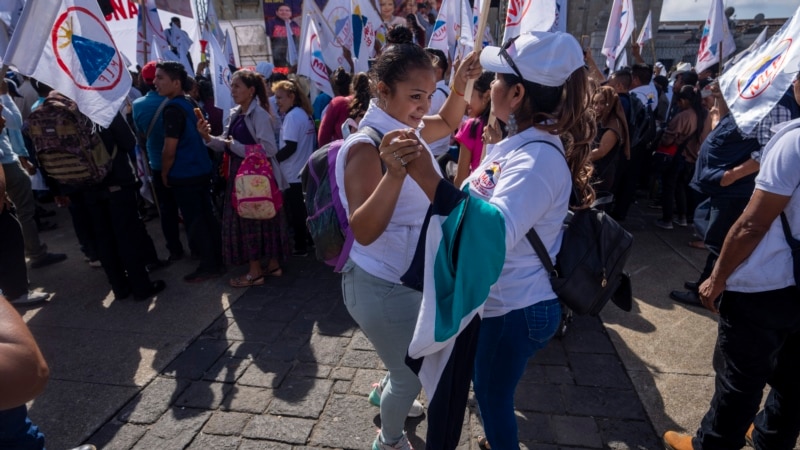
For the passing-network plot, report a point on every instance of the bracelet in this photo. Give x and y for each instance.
(460, 94)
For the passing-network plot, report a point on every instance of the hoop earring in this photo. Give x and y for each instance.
(511, 126)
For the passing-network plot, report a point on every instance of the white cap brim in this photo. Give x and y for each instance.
(493, 61)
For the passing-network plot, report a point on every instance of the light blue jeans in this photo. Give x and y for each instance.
(505, 344)
(387, 314)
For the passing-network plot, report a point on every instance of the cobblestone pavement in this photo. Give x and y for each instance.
(283, 366)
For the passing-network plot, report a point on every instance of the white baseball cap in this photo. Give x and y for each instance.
(541, 57)
(265, 69)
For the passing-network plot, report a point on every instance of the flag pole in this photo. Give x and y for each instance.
(478, 46)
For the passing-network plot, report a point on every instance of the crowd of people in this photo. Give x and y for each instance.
(531, 142)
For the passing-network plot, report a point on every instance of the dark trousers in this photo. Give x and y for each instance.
(123, 245)
(625, 182)
(723, 213)
(670, 187)
(18, 432)
(758, 343)
(13, 271)
(168, 210)
(82, 224)
(297, 214)
(202, 226)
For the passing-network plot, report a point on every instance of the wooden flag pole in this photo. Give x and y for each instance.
(478, 46)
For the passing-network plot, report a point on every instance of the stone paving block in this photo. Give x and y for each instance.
(226, 423)
(343, 373)
(247, 399)
(301, 397)
(175, 429)
(545, 398)
(628, 434)
(300, 326)
(245, 350)
(553, 354)
(360, 341)
(209, 441)
(116, 435)
(341, 386)
(196, 359)
(533, 427)
(253, 329)
(588, 341)
(535, 372)
(599, 370)
(204, 395)
(248, 444)
(576, 431)
(585, 323)
(601, 402)
(281, 313)
(289, 430)
(227, 369)
(265, 373)
(153, 401)
(558, 375)
(286, 349)
(311, 370)
(324, 350)
(347, 422)
(364, 379)
(361, 359)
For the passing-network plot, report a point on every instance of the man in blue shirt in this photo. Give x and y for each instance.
(186, 169)
(144, 114)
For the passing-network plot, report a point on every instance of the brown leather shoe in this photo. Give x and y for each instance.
(676, 441)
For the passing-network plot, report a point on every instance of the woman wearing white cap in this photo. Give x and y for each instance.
(541, 91)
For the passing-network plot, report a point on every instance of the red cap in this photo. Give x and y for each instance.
(149, 72)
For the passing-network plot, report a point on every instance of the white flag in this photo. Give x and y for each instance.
(715, 32)
(331, 48)
(366, 23)
(150, 32)
(291, 48)
(220, 75)
(529, 15)
(229, 55)
(620, 28)
(448, 35)
(80, 61)
(762, 37)
(560, 23)
(212, 22)
(647, 30)
(155, 52)
(754, 85)
(311, 62)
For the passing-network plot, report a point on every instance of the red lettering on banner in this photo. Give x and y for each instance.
(516, 10)
(123, 9)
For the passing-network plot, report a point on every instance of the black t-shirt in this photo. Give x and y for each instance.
(174, 121)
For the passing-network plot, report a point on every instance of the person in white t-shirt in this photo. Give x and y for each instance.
(758, 339)
(440, 67)
(297, 142)
(386, 210)
(541, 91)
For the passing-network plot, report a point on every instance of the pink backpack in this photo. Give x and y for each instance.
(255, 192)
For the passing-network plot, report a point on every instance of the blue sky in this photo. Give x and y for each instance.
(745, 9)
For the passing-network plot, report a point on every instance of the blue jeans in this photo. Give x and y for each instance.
(758, 343)
(505, 344)
(387, 314)
(18, 432)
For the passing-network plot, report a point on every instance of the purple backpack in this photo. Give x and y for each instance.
(327, 219)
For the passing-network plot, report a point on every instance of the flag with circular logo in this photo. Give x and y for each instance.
(66, 44)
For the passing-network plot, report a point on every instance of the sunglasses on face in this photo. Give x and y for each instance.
(507, 57)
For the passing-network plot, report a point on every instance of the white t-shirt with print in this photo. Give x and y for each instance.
(648, 95)
(297, 127)
(530, 184)
(769, 267)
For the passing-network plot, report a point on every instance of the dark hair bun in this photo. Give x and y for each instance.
(399, 35)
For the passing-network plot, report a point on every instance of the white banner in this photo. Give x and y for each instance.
(529, 15)
(754, 85)
(366, 23)
(220, 75)
(311, 62)
(647, 30)
(80, 60)
(331, 48)
(620, 27)
(715, 31)
(560, 23)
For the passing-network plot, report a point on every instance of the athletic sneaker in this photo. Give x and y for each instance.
(375, 399)
(31, 298)
(402, 444)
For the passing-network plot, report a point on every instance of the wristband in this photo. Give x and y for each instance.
(460, 94)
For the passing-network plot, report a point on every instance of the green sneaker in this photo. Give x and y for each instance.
(375, 400)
